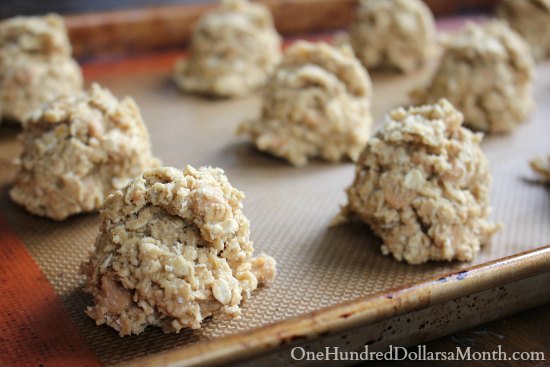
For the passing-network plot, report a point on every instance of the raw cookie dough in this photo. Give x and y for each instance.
(78, 149)
(316, 104)
(422, 184)
(234, 49)
(487, 73)
(394, 34)
(173, 249)
(35, 64)
(542, 167)
(531, 19)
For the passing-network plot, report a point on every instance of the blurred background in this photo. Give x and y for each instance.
(123, 27)
(10, 8)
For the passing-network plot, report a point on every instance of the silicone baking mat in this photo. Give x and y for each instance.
(289, 209)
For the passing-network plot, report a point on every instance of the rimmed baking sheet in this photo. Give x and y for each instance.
(289, 208)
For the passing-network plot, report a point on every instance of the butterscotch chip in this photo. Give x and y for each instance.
(393, 34)
(234, 48)
(77, 150)
(316, 104)
(422, 184)
(487, 73)
(542, 167)
(173, 249)
(531, 19)
(35, 64)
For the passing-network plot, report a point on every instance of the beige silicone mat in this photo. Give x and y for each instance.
(289, 209)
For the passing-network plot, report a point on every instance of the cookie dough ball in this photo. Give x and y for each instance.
(393, 34)
(173, 249)
(531, 19)
(542, 167)
(40, 35)
(422, 184)
(316, 104)
(35, 65)
(487, 73)
(234, 49)
(77, 150)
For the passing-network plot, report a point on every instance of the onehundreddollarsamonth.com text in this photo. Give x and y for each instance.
(420, 353)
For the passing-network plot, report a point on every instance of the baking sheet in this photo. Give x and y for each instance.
(289, 208)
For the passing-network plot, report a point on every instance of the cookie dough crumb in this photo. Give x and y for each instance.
(78, 149)
(316, 104)
(422, 184)
(234, 49)
(487, 72)
(265, 269)
(173, 249)
(531, 19)
(35, 64)
(393, 34)
(542, 167)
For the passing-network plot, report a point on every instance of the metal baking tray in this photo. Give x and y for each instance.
(334, 287)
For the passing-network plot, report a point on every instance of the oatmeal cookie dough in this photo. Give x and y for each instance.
(542, 167)
(487, 72)
(35, 65)
(234, 49)
(422, 184)
(531, 19)
(78, 149)
(316, 104)
(393, 34)
(173, 249)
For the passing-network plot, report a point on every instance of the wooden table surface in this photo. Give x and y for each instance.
(523, 332)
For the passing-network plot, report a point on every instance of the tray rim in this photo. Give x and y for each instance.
(122, 31)
(355, 313)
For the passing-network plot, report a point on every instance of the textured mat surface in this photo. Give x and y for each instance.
(289, 210)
